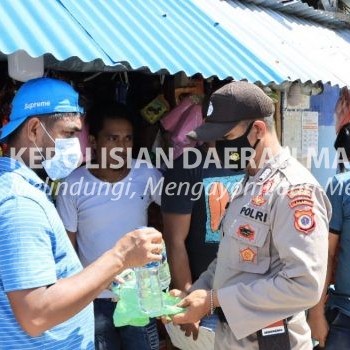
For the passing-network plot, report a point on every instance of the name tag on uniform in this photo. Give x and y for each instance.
(274, 336)
(275, 328)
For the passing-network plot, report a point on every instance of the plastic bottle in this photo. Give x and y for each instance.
(149, 290)
(164, 272)
(152, 279)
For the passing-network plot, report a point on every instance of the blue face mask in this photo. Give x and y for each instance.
(67, 157)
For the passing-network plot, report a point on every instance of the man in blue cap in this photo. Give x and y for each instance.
(45, 295)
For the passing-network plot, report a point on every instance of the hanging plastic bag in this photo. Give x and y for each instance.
(128, 310)
(191, 119)
(181, 120)
(170, 121)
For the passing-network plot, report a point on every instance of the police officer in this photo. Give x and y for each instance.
(272, 259)
(329, 320)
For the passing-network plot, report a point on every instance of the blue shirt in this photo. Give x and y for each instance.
(338, 192)
(35, 251)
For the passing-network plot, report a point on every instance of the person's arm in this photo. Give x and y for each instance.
(177, 206)
(176, 228)
(39, 309)
(73, 239)
(155, 181)
(316, 315)
(40, 299)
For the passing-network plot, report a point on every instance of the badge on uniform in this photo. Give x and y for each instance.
(260, 200)
(265, 174)
(274, 337)
(234, 156)
(304, 220)
(266, 187)
(246, 231)
(248, 254)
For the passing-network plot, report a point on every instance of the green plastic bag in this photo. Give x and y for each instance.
(128, 311)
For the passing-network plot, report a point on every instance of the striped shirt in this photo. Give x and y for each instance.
(35, 251)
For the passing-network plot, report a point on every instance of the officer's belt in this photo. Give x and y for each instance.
(274, 337)
(221, 315)
(106, 300)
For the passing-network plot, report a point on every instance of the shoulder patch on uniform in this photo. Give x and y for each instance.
(304, 220)
(297, 201)
(300, 191)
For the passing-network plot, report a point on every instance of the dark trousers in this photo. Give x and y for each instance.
(108, 337)
(339, 330)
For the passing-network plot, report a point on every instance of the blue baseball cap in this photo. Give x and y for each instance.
(38, 97)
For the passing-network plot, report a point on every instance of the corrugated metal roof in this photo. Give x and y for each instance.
(294, 47)
(214, 37)
(168, 34)
(302, 9)
(211, 37)
(44, 26)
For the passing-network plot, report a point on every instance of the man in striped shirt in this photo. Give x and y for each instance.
(45, 294)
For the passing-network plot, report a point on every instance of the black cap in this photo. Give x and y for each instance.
(229, 105)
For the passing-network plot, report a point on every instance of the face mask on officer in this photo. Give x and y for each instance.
(66, 159)
(342, 146)
(235, 154)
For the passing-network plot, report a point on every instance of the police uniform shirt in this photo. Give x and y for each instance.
(272, 258)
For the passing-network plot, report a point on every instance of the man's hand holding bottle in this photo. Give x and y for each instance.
(139, 247)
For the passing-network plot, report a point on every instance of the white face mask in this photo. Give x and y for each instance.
(67, 157)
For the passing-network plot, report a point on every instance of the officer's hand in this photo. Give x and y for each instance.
(197, 304)
(139, 247)
(190, 329)
(319, 327)
(178, 293)
(175, 293)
